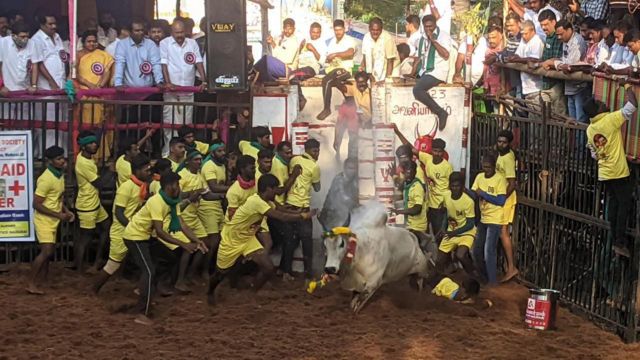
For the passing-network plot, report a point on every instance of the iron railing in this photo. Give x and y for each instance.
(560, 236)
(112, 121)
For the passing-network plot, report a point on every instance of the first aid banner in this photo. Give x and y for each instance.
(16, 186)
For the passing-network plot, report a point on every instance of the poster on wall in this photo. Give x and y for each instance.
(16, 186)
(415, 120)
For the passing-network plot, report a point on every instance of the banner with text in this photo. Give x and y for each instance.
(16, 186)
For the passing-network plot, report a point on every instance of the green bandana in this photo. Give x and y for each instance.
(87, 140)
(431, 55)
(257, 145)
(57, 173)
(174, 224)
(212, 148)
(405, 195)
(281, 159)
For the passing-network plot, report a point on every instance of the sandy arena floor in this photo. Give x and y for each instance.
(283, 322)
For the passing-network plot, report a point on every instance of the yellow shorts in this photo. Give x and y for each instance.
(89, 219)
(509, 209)
(46, 234)
(46, 228)
(180, 236)
(449, 244)
(228, 254)
(211, 217)
(117, 249)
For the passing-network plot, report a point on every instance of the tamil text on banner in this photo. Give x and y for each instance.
(415, 120)
(16, 186)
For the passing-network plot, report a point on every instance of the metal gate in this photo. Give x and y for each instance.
(560, 236)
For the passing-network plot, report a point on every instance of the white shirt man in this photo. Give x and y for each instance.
(377, 53)
(533, 16)
(308, 58)
(50, 51)
(441, 66)
(180, 62)
(531, 84)
(287, 50)
(16, 64)
(336, 46)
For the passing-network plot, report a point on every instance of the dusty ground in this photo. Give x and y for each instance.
(283, 322)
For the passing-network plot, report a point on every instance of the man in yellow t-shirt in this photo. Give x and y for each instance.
(506, 166)
(161, 168)
(414, 209)
(92, 216)
(176, 153)
(129, 149)
(605, 143)
(243, 187)
(491, 189)
(50, 210)
(137, 238)
(188, 135)
(193, 186)
(299, 200)
(460, 233)
(214, 174)
(437, 170)
(239, 235)
(445, 287)
(260, 139)
(130, 197)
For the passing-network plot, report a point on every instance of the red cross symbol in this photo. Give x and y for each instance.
(16, 188)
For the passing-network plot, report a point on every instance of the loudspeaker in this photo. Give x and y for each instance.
(227, 44)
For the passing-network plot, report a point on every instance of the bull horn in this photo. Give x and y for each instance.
(324, 228)
(434, 129)
(417, 132)
(346, 224)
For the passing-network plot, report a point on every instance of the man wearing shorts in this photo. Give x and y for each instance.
(193, 188)
(239, 235)
(49, 211)
(461, 230)
(130, 197)
(414, 204)
(214, 173)
(137, 237)
(92, 216)
(506, 166)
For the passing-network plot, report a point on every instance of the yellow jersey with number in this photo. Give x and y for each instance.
(437, 177)
(458, 211)
(495, 185)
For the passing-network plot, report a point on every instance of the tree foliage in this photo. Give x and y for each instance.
(390, 11)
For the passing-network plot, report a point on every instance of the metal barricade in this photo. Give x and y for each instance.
(560, 236)
(57, 121)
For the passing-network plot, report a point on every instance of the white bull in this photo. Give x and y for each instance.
(382, 254)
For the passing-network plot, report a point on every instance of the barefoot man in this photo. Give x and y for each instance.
(239, 239)
(50, 210)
